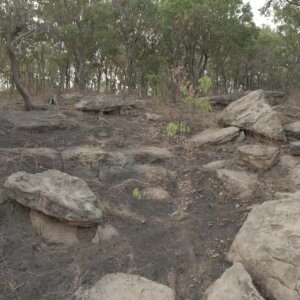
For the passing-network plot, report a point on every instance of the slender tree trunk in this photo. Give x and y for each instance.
(16, 78)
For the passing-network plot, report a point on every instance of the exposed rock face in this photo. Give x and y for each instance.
(214, 136)
(291, 164)
(292, 130)
(235, 284)
(153, 117)
(45, 157)
(259, 156)
(155, 194)
(215, 165)
(36, 120)
(128, 287)
(268, 246)
(100, 103)
(54, 233)
(55, 194)
(295, 148)
(253, 113)
(239, 181)
(104, 234)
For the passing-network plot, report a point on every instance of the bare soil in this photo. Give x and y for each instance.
(181, 243)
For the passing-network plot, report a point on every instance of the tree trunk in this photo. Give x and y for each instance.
(16, 78)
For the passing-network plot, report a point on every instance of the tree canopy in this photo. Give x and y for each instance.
(146, 47)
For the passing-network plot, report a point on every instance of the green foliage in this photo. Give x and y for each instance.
(137, 194)
(177, 128)
(202, 105)
(205, 84)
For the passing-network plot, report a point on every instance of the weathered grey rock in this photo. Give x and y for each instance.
(295, 148)
(259, 156)
(253, 113)
(153, 117)
(242, 137)
(72, 96)
(155, 194)
(291, 164)
(153, 173)
(55, 194)
(128, 287)
(105, 233)
(92, 156)
(215, 165)
(235, 284)
(100, 103)
(55, 234)
(273, 97)
(36, 120)
(46, 157)
(214, 136)
(292, 131)
(148, 154)
(268, 246)
(238, 181)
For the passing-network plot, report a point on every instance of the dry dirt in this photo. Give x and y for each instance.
(181, 243)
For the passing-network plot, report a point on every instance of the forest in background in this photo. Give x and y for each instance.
(146, 47)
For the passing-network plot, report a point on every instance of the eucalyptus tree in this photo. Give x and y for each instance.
(18, 24)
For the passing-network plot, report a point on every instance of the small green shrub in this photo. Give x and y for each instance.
(177, 128)
(202, 105)
(137, 194)
(205, 84)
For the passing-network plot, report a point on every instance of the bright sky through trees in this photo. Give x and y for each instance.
(258, 18)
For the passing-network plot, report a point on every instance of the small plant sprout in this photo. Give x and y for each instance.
(177, 128)
(137, 194)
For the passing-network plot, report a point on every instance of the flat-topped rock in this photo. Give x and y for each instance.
(295, 148)
(36, 120)
(235, 284)
(45, 157)
(128, 287)
(238, 181)
(268, 246)
(56, 194)
(292, 130)
(150, 154)
(153, 117)
(155, 194)
(252, 112)
(100, 103)
(259, 156)
(215, 136)
(215, 165)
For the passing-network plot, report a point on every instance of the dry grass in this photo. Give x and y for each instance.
(122, 212)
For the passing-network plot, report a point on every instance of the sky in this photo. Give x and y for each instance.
(259, 20)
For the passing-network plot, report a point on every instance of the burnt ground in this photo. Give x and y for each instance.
(181, 243)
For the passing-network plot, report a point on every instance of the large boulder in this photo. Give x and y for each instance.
(235, 284)
(128, 287)
(55, 194)
(259, 156)
(36, 120)
(292, 130)
(100, 103)
(238, 181)
(253, 113)
(268, 246)
(214, 136)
